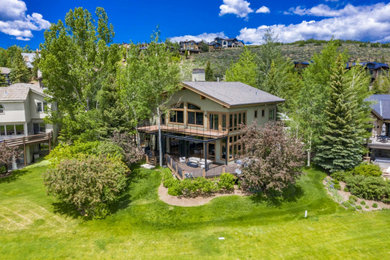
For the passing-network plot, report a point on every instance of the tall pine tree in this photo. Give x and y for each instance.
(341, 144)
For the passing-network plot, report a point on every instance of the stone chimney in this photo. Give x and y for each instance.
(198, 75)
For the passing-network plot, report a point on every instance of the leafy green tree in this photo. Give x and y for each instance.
(307, 114)
(79, 67)
(203, 46)
(341, 144)
(209, 72)
(106, 179)
(148, 81)
(381, 84)
(245, 70)
(19, 73)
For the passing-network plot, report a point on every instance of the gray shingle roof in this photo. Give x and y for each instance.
(380, 105)
(18, 91)
(233, 93)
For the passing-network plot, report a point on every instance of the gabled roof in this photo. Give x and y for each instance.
(19, 91)
(369, 65)
(380, 105)
(231, 94)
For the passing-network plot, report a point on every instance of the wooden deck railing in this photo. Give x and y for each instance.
(30, 139)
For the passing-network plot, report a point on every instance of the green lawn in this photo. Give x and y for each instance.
(149, 228)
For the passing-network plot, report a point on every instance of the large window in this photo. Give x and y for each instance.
(272, 114)
(194, 115)
(1, 109)
(213, 121)
(2, 130)
(19, 129)
(176, 114)
(10, 129)
(39, 107)
(235, 146)
(237, 120)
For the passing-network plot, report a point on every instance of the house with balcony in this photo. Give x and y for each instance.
(22, 112)
(222, 43)
(379, 142)
(201, 132)
(190, 46)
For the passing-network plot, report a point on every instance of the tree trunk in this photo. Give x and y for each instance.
(159, 135)
(309, 150)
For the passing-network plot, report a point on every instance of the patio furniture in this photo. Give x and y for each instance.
(182, 159)
(192, 164)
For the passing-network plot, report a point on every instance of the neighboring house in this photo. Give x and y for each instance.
(190, 46)
(374, 68)
(219, 43)
(301, 64)
(379, 144)
(22, 113)
(6, 73)
(205, 120)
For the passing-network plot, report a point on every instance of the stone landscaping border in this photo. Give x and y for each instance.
(342, 197)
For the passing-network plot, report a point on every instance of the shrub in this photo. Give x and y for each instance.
(226, 181)
(335, 181)
(362, 202)
(353, 198)
(374, 205)
(367, 170)
(340, 175)
(168, 179)
(273, 158)
(359, 207)
(337, 186)
(91, 184)
(372, 188)
(346, 189)
(175, 189)
(367, 207)
(66, 151)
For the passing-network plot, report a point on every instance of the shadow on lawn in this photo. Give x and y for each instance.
(274, 198)
(12, 176)
(63, 208)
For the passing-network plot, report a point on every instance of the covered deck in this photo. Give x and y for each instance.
(184, 169)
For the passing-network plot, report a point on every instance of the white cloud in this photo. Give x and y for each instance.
(368, 23)
(15, 22)
(326, 11)
(207, 37)
(263, 10)
(238, 7)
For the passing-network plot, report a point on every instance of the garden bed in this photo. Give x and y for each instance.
(349, 201)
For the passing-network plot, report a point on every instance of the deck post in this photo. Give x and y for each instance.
(226, 150)
(205, 156)
(49, 142)
(204, 173)
(223, 169)
(24, 151)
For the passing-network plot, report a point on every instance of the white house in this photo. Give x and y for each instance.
(22, 112)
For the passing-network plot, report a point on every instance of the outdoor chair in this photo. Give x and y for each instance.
(182, 159)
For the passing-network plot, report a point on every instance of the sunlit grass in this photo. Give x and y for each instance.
(148, 228)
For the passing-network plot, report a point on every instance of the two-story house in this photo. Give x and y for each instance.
(205, 119)
(190, 46)
(223, 43)
(22, 112)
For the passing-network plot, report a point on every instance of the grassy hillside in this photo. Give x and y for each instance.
(34, 226)
(220, 60)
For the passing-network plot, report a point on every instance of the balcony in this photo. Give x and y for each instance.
(379, 142)
(185, 130)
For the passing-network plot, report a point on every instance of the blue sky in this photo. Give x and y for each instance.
(24, 21)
